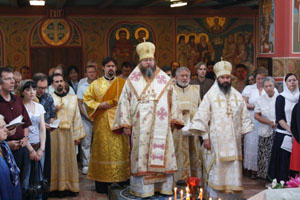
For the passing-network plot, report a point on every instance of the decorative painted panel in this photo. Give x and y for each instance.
(210, 38)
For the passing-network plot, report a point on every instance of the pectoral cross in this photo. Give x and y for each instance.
(219, 101)
(144, 39)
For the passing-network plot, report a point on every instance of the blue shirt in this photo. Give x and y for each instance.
(47, 101)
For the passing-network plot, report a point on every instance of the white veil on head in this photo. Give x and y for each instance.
(291, 96)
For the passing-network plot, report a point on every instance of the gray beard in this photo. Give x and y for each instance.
(181, 84)
(148, 72)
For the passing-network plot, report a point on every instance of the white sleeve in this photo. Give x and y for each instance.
(80, 92)
(41, 109)
(257, 108)
(246, 92)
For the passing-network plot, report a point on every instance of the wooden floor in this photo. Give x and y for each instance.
(87, 189)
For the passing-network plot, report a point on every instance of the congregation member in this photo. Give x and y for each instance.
(210, 70)
(187, 146)
(126, 70)
(204, 83)
(25, 72)
(147, 109)
(46, 100)
(60, 70)
(174, 66)
(10, 187)
(36, 139)
(295, 125)
(250, 94)
(264, 113)
(64, 169)
(86, 143)
(167, 70)
(109, 160)
(239, 82)
(11, 107)
(250, 79)
(279, 167)
(73, 74)
(222, 119)
(18, 78)
(84, 80)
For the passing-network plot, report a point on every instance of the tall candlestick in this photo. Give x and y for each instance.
(181, 194)
(175, 193)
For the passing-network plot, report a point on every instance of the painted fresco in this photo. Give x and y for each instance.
(267, 26)
(101, 37)
(1, 49)
(123, 40)
(283, 66)
(210, 38)
(16, 31)
(296, 26)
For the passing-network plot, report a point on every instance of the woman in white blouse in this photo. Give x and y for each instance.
(250, 94)
(264, 112)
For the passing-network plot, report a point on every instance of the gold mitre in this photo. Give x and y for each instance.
(222, 68)
(145, 50)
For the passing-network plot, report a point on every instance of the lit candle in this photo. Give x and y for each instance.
(170, 198)
(181, 194)
(187, 196)
(210, 198)
(187, 189)
(200, 197)
(175, 193)
(219, 198)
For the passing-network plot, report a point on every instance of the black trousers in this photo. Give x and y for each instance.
(47, 163)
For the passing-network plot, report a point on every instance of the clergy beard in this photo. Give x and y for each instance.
(148, 72)
(182, 84)
(60, 89)
(224, 87)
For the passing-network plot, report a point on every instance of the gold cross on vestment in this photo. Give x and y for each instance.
(219, 101)
(236, 100)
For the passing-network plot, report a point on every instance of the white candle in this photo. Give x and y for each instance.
(187, 196)
(200, 194)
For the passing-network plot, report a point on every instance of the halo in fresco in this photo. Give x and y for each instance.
(185, 37)
(122, 29)
(136, 33)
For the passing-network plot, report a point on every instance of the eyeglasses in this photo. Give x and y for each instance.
(42, 88)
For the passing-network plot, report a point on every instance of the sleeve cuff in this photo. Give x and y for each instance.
(205, 136)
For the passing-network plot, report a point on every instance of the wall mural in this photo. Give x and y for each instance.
(296, 26)
(1, 48)
(210, 38)
(123, 40)
(267, 26)
(104, 36)
(16, 32)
